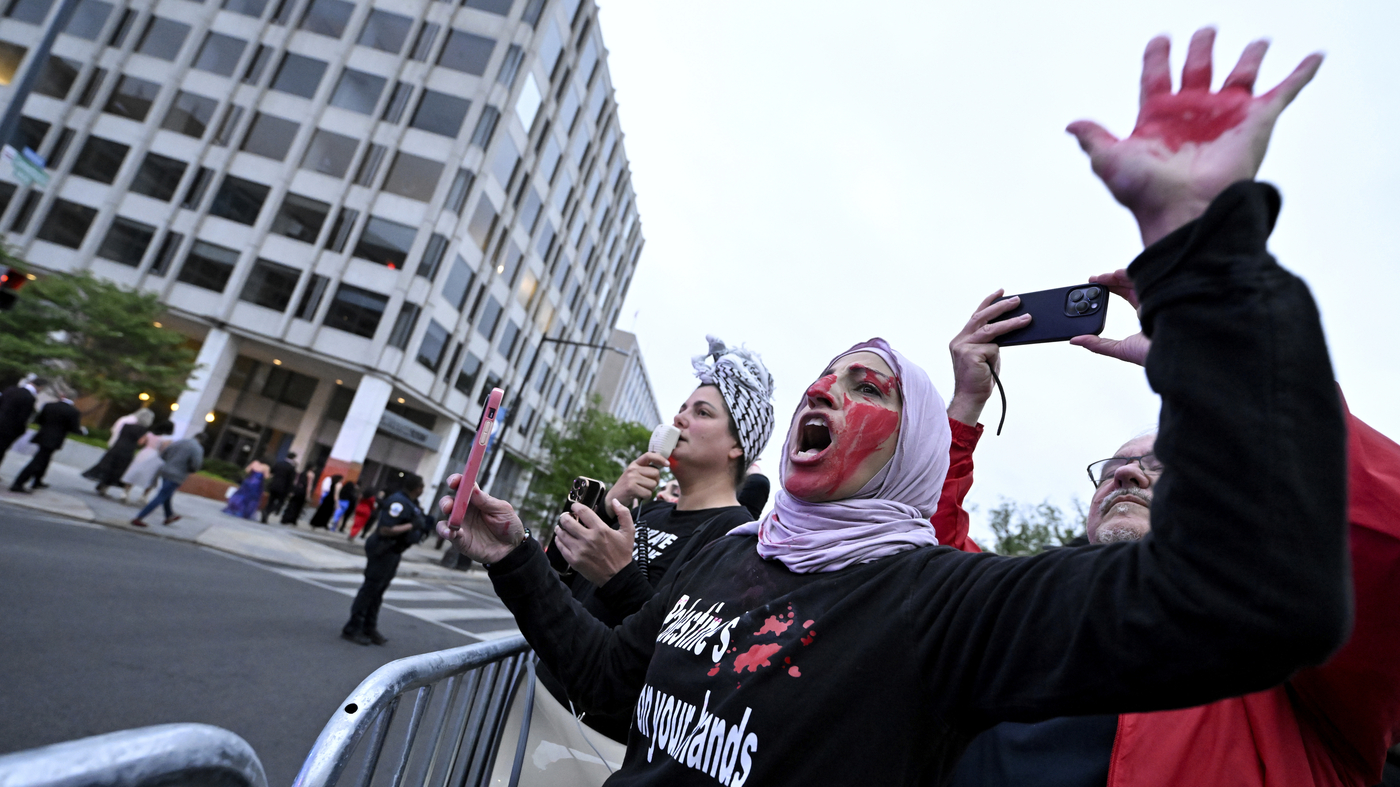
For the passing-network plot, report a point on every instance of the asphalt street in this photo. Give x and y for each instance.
(105, 630)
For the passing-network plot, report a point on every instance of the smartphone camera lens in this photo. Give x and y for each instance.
(1076, 296)
(1081, 307)
(1092, 292)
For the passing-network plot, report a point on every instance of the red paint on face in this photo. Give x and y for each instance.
(672, 462)
(795, 672)
(867, 375)
(755, 657)
(772, 625)
(867, 428)
(1192, 116)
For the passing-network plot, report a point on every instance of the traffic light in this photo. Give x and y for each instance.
(10, 282)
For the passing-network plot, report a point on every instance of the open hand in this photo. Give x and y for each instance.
(593, 549)
(976, 355)
(1132, 349)
(1188, 146)
(639, 481)
(490, 529)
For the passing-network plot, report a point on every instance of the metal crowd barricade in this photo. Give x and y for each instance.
(162, 756)
(448, 739)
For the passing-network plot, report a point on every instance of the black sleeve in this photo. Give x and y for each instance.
(628, 590)
(1244, 578)
(602, 669)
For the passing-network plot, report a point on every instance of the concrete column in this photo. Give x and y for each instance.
(311, 420)
(436, 466)
(357, 432)
(215, 361)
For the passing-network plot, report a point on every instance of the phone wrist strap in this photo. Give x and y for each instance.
(1001, 391)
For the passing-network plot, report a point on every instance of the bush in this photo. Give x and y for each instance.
(1030, 530)
(225, 470)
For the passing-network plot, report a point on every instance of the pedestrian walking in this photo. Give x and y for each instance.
(55, 421)
(326, 507)
(121, 449)
(16, 408)
(401, 525)
(244, 502)
(144, 470)
(281, 479)
(292, 512)
(349, 495)
(181, 458)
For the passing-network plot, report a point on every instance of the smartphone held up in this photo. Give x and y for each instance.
(473, 467)
(1057, 315)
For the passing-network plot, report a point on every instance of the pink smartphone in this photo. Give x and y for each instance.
(473, 466)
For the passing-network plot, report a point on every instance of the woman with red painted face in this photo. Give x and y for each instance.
(724, 425)
(836, 642)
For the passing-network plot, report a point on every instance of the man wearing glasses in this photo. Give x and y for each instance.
(1120, 509)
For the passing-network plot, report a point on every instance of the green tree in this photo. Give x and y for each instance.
(1030, 530)
(593, 444)
(99, 336)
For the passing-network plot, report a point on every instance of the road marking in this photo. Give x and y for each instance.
(461, 613)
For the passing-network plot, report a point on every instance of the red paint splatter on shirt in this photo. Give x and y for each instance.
(772, 625)
(755, 657)
(795, 672)
(713, 671)
(811, 635)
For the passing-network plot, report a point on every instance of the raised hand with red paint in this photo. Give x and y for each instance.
(1188, 146)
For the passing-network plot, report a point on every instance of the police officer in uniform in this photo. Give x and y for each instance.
(401, 525)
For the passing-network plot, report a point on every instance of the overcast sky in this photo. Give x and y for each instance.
(811, 174)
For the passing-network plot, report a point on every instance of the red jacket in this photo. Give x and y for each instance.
(1328, 726)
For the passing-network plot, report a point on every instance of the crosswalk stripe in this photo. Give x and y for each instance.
(459, 613)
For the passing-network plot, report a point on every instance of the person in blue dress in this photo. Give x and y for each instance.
(244, 502)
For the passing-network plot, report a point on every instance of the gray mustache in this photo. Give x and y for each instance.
(1111, 500)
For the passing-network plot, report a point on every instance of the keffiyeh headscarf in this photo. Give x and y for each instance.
(890, 514)
(747, 388)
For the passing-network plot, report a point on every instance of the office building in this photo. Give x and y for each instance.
(366, 214)
(622, 384)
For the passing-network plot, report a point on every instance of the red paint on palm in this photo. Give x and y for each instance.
(1192, 117)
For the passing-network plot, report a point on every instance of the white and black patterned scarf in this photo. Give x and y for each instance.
(747, 388)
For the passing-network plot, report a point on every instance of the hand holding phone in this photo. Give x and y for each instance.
(1058, 315)
(473, 466)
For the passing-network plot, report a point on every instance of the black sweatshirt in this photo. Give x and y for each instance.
(881, 673)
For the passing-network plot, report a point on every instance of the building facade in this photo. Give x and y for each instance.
(367, 214)
(623, 384)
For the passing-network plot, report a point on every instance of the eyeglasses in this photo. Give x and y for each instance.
(1102, 470)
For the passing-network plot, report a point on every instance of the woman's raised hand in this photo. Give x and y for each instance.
(489, 531)
(1188, 146)
(976, 355)
(639, 481)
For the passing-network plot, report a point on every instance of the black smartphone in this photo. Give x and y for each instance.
(1058, 315)
(589, 493)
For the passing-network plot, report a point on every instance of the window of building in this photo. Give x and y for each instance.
(508, 338)
(270, 136)
(327, 17)
(356, 311)
(166, 253)
(432, 257)
(311, 298)
(486, 127)
(228, 125)
(57, 77)
(461, 187)
(32, 11)
(440, 113)
(483, 221)
(282, 14)
(219, 54)
(369, 165)
(510, 65)
(30, 133)
(340, 230)
(413, 176)
(568, 111)
(26, 210)
(7, 193)
(459, 282)
(527, 415)
(503, 165)
(126, 241)
(208, 266)
(94, 83)
(358, 91)
(100, 159)
(385, 31)
(11, 55)
(404, 325)
(506, 270)
(200, 184)
(239, 200)
(398, 101)
(88, 19)
(434, 344)
(132, 98)
(466, 378)
(300, 217)
(551, 46)
(530, 211)
(67, 223)
(287, 387)
(501, 7)
(563, 190)
(423, 44)
(385, 242)
(300, 75)
(258, 64)
(489, 318)
(270, 284)
(190, 114)
(163, 38)
(549, 160)
(466, 52)
(545, 243)
(245, 7)
(527, 104)
(330, 153)
(123, 27)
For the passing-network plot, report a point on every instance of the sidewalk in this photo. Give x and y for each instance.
(203, 522)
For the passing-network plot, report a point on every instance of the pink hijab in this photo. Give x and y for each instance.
(890, 514)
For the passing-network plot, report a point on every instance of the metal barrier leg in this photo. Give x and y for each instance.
(374, 744)
(524, 737)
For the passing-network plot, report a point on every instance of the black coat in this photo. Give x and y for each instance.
(16, 408)
(55, 421)
(283, 475)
